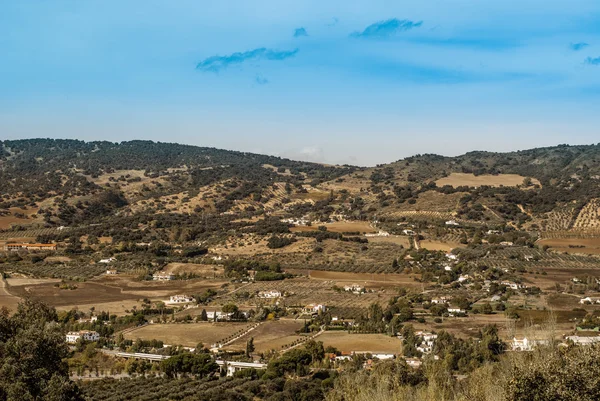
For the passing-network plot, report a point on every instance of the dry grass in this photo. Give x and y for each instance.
(271, 335)
(392, 239)
(202, 270)
(433, 245)
(187, 334)
(471, 180)
(573, 245)
(374, 343)
(7, 299)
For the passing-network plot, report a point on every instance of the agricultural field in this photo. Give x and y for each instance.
(188, 334)
(471, 180)
(434, 245)
(206, 271)
(363, 227)
(270, 335)
(350, 342)
(431, 201)
(573, 245)
(6, 298)
(114, 294)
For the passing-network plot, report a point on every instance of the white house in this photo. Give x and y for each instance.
(583, 340)
(448, 268)
(381, 233)
(440, 300)
(315, 308)
(180, 299)
(106, 260)
(451, 256)
(506, 243)
(112, 272)
(74, 336)
(413, 362)
(161, 276)
(452, 223)
(463, 277)
(589, 300)
(269, 294)
(427, 340)
(513, 286)
(526, 344)
(354, 288)
(456, 311)
(408, 232)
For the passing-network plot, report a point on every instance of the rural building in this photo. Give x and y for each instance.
(161, 276)
(427, 340)
(440, 300)
(413, 362)
(448, 268)
(112, 272)
(513, 286)
(456, 311)
(87, 335)
(381, 233)
(30, 247)
(180, 299)
(270, 294)
(526, 344)
(452, 223)
(506, 243)
(232, 366)
(315, 308)
(354, 288)
(106, 260)
(583, 340)
(589, 300)
(451, 256)
(408, 232)
(90, 320)
(464, 277)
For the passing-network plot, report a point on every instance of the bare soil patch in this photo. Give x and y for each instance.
(202, 270)
(471, 180)
(187, 334)
(573, 245)
(374, 343)
(271, 335)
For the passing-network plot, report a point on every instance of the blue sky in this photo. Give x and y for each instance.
(360, 82)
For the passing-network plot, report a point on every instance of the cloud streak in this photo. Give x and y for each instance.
(578, 46)
(219, 63)
(387, 28)
(592, 61)
(299, 32)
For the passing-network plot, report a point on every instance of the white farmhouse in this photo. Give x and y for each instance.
(269, 294)
(180, 299)
(87, 335)
(315, 308)
(526, 344)
(161, 276)
(354, 288)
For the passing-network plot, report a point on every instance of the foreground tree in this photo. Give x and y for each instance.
(32, 352)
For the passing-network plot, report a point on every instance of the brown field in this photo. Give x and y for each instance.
(460, 179)
(199, 269)
(559, 275)
(7, 299)
(590, 245)
(187, 334)
(392, 239)
(115, 294)
(339, 227)
(362, 277)
(375, 343)
(433, 245)
(271, 335)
